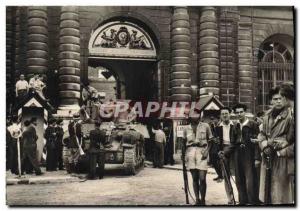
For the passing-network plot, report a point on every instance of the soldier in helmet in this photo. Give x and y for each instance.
(96, 152)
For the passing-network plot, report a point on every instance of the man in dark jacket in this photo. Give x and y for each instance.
(29, 139)
(96, 152)
(228, 134)
(50, 136)
(245, 174)
(213, 153)
(59, 144)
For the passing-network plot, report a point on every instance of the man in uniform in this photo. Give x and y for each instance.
(277, 134)
(245, 173)
(227, 134)
(96, 152)
(197, 136)
(29, 139)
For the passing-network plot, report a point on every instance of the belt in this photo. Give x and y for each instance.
(197, 145)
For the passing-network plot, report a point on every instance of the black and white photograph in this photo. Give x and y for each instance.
(156, 106)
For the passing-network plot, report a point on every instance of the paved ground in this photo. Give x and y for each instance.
(149, 187)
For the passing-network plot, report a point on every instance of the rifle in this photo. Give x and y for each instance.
(268, 179)
(227, 179)
(184, 171)
(19, 156)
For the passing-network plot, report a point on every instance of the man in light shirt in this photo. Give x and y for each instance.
(22, 88)
(197, 136)
(159, 147)
(37, 84)
(228, 134)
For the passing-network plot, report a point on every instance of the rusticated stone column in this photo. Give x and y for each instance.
(9, 55)
(180, 78)
(245, 63)
(17, 41)
(227, 55)
(37, 43)
(208, 56)
(69, 58)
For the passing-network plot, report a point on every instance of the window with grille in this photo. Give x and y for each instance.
(275, 66)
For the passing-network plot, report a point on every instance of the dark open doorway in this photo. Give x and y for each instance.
(134, 78)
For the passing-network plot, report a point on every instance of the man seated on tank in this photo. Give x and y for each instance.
(96, 152)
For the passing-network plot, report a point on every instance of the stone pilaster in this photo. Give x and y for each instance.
(245, 78)
(17, 41)
(37, 42)
(227, 54)
(180, 76)
(69, 59)
(208, 58)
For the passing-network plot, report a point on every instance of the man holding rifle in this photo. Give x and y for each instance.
(227, 134)
(245, 173)
(197, 136)
(276, 135)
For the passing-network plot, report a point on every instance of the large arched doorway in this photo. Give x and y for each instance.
(276, 66)
(128, 53)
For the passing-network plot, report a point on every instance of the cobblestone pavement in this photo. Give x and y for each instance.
(149, 187)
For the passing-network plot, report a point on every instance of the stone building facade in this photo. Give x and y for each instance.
(153, 52)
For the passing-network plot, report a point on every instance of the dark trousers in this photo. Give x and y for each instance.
(245, 175)
(59, 157)
(169, 154)
(158, 160)
(214, 159)
(30, 154)
(21, 95)
(94, 159)
(51, 159)
(13, 156)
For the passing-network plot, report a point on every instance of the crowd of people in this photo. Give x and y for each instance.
(63, 148)
(259, 153)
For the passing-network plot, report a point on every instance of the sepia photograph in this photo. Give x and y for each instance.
(117, 106)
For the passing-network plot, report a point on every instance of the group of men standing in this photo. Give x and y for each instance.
(262, 154)
(26, 137)
(22, 147)
(22, 86)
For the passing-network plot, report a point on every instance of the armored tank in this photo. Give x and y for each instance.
(124, 144)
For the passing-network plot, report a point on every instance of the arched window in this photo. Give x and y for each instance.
(275, 66)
